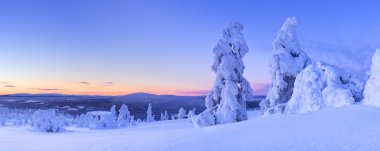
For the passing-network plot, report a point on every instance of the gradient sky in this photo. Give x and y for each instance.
(165, 47)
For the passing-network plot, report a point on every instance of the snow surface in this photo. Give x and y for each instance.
(372, 87)
(347, 128)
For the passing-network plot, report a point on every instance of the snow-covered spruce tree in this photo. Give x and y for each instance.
(320, 86)
(288, 60)
(227, 100)
(124, 116)
(190, 115)
(149, 116)
(132, 121)
(85, 120)
(181, 113)
(372, 87)
(47, 121)
(164, 116)
(106, 121)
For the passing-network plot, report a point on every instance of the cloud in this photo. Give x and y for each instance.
(9, 86)
(84, 82)
(4, 82)
(47, 89)
(352, 56)
(193, 92)
(108, 83)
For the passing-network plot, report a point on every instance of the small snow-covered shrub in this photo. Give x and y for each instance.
(181, 113)
(372, 87)
(47, 121)
(190, 115)
(321, 85)
(106, 121)
(85, 120)
(206, 118)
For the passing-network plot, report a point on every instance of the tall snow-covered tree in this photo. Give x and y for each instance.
(181, 113)
(288, 59)
(149, 115)
(372, 87)
(227, 100)
(124, 116)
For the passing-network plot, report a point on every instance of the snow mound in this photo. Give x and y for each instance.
(288, 60)
(47, 121)
(321, 85)
(372, 87)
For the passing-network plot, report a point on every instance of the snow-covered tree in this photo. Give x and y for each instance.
(288, 60)
(173, 117)
(47, 121)
(164, 116)
(181, 113)
(190, 114)
(227, 99)
(124, 116)
(132, 121)
(106, 121)
(320, 86)
(149, 115)
(372, 87)
(85, 120)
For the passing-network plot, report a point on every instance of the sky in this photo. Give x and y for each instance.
(116, 47)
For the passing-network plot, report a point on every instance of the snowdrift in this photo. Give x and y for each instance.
(321, 85)
(372, 87)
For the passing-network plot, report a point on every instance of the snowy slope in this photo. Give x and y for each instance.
(353, 127)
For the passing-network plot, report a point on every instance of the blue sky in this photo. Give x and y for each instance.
(166, 46)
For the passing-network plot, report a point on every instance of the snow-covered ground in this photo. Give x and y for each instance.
(348, 128)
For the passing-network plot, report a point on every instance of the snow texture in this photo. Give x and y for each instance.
(348, 128)
(288, 59)
(320, 86)
(47, 121)
(227, 99)
(372, 87)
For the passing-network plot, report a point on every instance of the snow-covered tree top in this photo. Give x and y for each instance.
(232, 42)
(375, 67)
(287, 37)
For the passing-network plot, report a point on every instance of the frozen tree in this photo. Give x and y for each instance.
(85, 120)
(190, 114)
(139, 120)
(149, 116)
(372, 87)
(47, 121)
(287, 61)
(132, 121)
(164, 116)
(173, 117)
(181, 113)
(106, 121)
(320, 86)
(124, 116)
(227, 99)
(206, 118)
